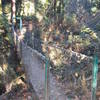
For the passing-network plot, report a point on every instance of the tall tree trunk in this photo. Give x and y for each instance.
(0, 7)
(13, 8)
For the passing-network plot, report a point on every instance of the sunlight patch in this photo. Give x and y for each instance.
(29, 8)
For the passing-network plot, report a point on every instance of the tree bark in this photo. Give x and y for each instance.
(13, 9)
(0, 7)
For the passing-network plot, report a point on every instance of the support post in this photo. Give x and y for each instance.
(47, 80)
(94, 77)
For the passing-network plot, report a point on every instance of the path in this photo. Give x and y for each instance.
(34, 66)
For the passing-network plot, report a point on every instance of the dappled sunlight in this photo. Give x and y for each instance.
(23, 31)
(29, 8)
(1, 70)
(43, 1)
(89, 31)
(55, 56)
(62, 35)
(5, 67)
(39, 16)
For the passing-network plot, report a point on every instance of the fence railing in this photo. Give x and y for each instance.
(19, 43)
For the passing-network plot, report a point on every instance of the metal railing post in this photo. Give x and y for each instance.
(47, 79)
(94, 77)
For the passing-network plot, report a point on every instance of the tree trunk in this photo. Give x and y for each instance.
(13, 8)
(0, 7)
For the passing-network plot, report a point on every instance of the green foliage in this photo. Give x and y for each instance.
(98, 27)
(96, 3)
(95, 6)
(90, 32)
(70, 19)
(7, 8)
(5, 29)
(4, 23)
(39, 7)
(94, 9)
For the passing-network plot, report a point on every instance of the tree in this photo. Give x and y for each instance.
(13, 15)
(0, 7)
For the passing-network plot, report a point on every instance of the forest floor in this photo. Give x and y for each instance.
(20, 92)
(18, 89)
